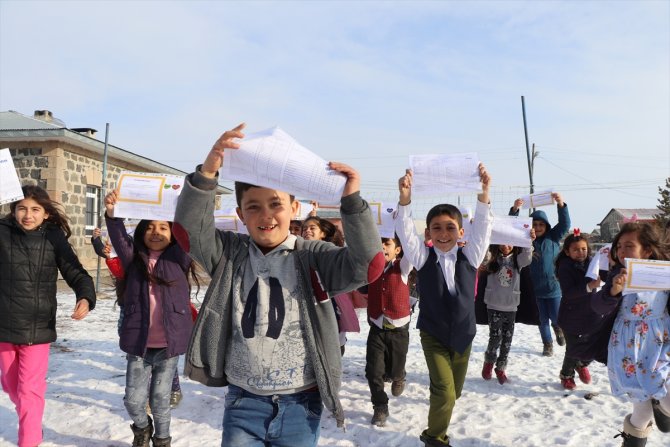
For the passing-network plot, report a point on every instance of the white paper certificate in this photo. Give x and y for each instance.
(443, 173)
(273, 159)
(226, 219)
(647, 274)
(512, 230)
(10, 187)
(148, 195)
(382, 214)
(537, 199)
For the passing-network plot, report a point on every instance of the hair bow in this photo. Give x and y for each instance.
(630, 219)
(576, 232)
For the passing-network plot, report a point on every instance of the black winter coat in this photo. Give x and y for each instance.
(29, 266)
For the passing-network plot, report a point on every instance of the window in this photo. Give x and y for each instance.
(92, 207)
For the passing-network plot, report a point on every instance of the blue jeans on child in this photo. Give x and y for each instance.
(548, 311)
(289, 420)
(154, 366)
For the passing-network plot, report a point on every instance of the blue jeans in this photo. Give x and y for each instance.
(290, 420)
(548, 310)
(157, 368)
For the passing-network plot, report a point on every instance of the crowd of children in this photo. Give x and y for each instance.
(272, 324)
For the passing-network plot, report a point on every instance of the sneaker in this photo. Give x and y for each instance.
(175, 398)
(380, 415)
(487, 370)
(500, 374)
(548, 350)
(584, 374)
(397, 387)
(429, 441)
(569, 383)
(560, 338)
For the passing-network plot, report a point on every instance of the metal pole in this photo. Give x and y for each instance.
(103, 193)
(528, 156)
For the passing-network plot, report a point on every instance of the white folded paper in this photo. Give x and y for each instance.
(273, 159)
(10, 186)
(445, 173)
(512, 230)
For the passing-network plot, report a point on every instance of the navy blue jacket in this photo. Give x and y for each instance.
(448, 318)
(172, 266)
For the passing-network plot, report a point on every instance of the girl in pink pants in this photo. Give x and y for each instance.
(33, 249)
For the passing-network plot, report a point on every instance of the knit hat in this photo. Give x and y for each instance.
(541, 216)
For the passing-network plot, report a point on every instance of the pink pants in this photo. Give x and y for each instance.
(23, 372)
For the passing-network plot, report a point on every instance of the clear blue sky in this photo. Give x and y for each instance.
(367, 83)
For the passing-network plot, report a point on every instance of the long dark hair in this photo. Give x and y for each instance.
(329, 229)
(494, 265)
(647, 236)
(140, 249)
(55, 210)
(571, 239)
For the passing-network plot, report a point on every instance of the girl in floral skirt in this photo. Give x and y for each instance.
(638, 357)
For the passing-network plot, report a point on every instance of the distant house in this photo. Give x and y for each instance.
(68, 164)
(611, 224)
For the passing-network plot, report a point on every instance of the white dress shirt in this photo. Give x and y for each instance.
(417, 252)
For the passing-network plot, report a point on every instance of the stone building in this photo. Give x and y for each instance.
(68, 164)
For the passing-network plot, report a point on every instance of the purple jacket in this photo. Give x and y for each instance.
(172, 266)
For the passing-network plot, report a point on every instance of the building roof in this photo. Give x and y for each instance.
(15, 126)
(642, 213)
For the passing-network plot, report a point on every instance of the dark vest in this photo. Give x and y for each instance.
(449, 318)
(389, 294)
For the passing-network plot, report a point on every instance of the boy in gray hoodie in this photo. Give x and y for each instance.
(266, 328)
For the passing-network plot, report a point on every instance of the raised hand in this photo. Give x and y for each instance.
(558, 199)
(405, 188)
(214, 158)
(486, 184)
(110, 201)
(353, 178)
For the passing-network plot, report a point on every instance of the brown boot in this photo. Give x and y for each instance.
(162, 442)
(548, 350)
(142, 435)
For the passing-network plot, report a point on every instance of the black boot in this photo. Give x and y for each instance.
(661, 417)
(162, 442)
(633, 436)
(142, 435)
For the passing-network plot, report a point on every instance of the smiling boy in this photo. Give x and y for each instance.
(267, 328)
(446, 274)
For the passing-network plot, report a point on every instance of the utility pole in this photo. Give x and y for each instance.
(101, 205)
(528, 155)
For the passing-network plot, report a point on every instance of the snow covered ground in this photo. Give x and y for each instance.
(86, 383)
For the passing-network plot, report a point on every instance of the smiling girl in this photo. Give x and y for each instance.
(638, 357)
(33, 249)
(157, 320)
